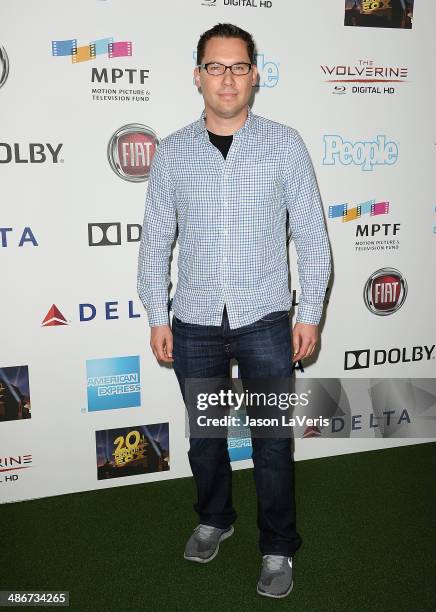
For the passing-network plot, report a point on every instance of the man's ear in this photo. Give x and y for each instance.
(255, 75)
(197, 76)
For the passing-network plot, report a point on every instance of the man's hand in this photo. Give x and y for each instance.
(161, 342)
(304, 339)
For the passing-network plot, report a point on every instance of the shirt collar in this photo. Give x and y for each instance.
(200, 124)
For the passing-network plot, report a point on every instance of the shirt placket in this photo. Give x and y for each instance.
(227, 196)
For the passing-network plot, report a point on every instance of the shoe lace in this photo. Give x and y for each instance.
(274, 562)
(205, 531)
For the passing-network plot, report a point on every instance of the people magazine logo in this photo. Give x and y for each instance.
(14, 393)
(130, 151)
(4, 66)
(131, 451)
(128, 83)
(385, 291)
(383, 235)
(87, 311)
(366, 154)
(364, 77)
(379, 13)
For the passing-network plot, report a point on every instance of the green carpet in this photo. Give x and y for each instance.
(367, 521)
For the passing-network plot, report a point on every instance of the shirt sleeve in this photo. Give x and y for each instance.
(308, 231)
(158, 233)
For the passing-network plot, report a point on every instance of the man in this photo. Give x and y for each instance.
(227, 182)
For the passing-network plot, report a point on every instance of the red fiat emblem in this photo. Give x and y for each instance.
(131, 150)
(385, 291)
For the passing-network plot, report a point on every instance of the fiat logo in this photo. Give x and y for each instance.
(4, 66)
(131, 150)
(385, 291)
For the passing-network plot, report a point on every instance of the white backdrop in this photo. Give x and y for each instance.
(48, 99)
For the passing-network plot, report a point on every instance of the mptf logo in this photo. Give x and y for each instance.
(130, 151)
(4, 66)
(103, 46)
(113, 382)
(385, 291)
(371, 207)
(366, 154)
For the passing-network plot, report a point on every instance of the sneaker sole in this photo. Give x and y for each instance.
(265, 594)
(223, 536)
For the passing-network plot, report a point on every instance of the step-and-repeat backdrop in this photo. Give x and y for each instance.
(87, 91)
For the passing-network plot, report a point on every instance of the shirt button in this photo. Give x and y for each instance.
(224, 259)
(225, 232)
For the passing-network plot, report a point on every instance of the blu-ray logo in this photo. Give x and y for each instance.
(365, 154)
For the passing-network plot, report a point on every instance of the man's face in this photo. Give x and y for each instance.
(225, 95)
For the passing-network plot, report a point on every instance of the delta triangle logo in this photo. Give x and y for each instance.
(54, 317)
(311, 432)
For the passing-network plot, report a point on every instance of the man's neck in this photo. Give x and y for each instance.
(224, 126)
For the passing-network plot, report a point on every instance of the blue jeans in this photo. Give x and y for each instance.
(262, 349)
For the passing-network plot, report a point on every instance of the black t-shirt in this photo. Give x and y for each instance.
(223, 143)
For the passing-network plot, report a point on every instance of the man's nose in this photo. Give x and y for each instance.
(228, 76)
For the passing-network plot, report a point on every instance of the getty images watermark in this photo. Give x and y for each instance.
(235, 400)
(311, 407)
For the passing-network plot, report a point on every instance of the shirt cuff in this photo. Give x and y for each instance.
(158, 316)
(309, 313)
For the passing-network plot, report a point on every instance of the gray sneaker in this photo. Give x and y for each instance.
(276, 576)
(204, 543)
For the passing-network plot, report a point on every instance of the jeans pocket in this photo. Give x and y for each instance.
(274, 316)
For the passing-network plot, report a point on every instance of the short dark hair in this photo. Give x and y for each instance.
(226, 30)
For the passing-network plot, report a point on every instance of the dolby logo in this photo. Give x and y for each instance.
(364, 358)
(32, 153)
(111, 234)
(130, 151)
(4, 66)
(385, 291)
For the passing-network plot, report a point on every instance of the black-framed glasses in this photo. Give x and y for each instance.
(216, 69)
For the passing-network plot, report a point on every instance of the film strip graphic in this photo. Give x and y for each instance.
(371, 207)
(84, 53)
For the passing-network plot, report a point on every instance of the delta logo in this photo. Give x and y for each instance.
(84, 53)
(54, 317)
(89, 312)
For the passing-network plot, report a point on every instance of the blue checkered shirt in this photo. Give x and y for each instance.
(231, 220)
